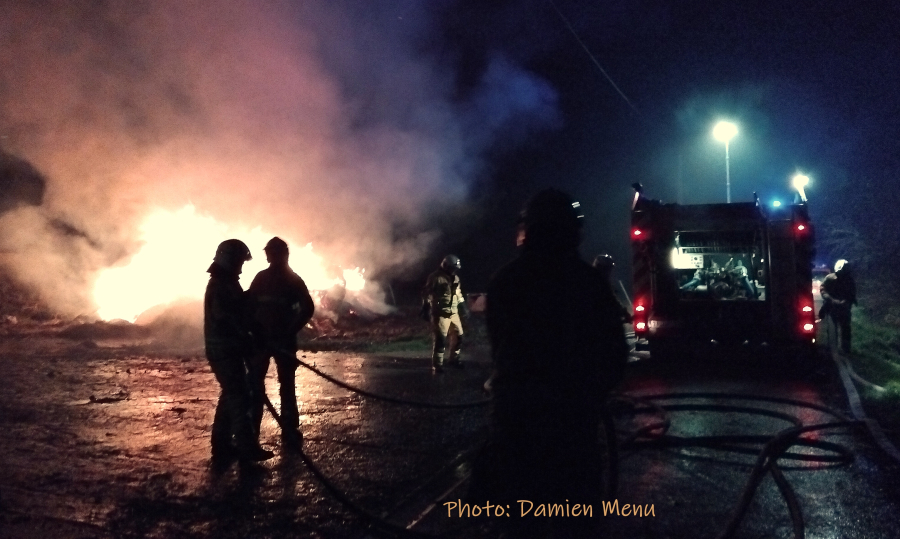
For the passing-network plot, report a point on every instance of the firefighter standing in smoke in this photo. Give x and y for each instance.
(838, 291)
(558, 348)
(228, 345)
(280, 305)
(442, 301)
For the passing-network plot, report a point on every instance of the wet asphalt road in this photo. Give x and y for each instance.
(103, 442)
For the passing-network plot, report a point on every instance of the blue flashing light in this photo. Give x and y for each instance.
(776, 204)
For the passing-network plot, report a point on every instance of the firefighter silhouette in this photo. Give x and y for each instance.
(280, 305)
(228, 345)
(838, 291)
(558, 348)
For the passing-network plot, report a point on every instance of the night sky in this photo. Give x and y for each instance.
(811, 86)
(390, 133)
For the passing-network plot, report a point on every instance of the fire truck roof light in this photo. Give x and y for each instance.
(637, 232)
(801, 227)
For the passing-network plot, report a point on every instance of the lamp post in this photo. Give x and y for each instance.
(724, 132)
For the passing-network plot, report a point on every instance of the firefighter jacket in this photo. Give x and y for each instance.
(225, 323)
(443, 293)
(839, 286)
(279, 303)
(554, 322)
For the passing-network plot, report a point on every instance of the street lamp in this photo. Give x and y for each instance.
(724, 132)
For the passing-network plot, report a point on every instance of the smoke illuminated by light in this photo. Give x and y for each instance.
(315, 121)
(177, 249)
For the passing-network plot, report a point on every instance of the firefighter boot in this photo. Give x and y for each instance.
(292, 441)
(455, 359)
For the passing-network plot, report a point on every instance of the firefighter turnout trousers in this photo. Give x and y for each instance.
(442, 328)
(232, 427)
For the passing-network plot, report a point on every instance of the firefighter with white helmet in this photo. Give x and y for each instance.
(228, 344)
(838, 291)
(442, 302)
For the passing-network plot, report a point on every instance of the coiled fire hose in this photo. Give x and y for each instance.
(655, 435)
(774, 448)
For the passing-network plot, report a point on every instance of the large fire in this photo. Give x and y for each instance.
(178, 248)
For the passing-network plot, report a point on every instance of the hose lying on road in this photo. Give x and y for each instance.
(377, 522)
(394, 400)
(656, 434)
(774, 448)
(857, 410)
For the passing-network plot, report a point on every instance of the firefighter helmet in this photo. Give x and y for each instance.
(451, 264)
(552, 217)
(231, 254)
(604, 261)
(276, 245)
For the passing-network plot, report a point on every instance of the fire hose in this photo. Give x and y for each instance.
(378, 522)
(394, 400)
(655, 435)
(774, 447)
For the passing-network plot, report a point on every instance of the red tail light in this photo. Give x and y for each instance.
(640, 317)
(807, 318)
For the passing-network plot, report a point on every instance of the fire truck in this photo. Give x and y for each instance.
(723, 275)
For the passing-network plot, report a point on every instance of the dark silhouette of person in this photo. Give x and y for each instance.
(838, 291)
(280, 305)
(558, 348)
(228, 344)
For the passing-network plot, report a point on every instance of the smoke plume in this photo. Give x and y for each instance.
(318, 120)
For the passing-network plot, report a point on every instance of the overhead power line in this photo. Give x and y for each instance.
(592, 57)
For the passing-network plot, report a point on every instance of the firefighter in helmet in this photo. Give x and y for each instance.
(228, 344)
(838, 291)
(280, 305)
(442, 303)
(605, 264)
(558, 347)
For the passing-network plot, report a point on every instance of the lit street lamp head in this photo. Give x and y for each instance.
(724, 131)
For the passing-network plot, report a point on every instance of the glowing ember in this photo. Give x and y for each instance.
(177, 249)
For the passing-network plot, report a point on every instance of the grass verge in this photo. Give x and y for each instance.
(876, 358)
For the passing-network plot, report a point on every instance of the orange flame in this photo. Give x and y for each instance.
(177, 249)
